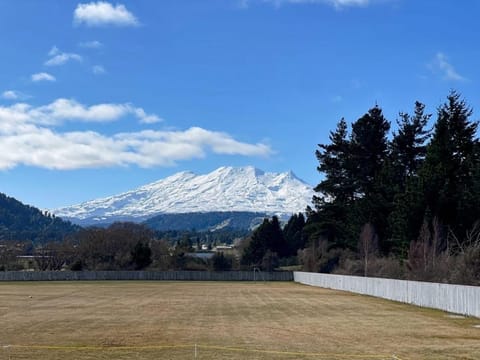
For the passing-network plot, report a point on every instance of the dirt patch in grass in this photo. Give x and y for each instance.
(153, 320)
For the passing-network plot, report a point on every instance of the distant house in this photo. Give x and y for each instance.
(223, 248)
(226, 250)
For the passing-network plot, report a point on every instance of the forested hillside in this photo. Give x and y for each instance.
(206, 221)
(21, 222)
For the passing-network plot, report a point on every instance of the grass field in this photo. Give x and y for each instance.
(164, 320)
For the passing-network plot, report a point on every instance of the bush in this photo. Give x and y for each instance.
(141, 255)
(221, 262)
(77, 266)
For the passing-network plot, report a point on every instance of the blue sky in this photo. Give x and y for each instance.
(101, 97)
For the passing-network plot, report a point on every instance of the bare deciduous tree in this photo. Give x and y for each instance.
(368, 244)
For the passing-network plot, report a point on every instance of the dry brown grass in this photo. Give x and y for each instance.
(162, 320)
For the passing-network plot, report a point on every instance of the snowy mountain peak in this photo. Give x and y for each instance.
(237, 171)
(224, 189)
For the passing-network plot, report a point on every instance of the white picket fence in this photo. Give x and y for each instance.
(458, 299)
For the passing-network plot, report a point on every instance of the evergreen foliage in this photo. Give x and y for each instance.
(293, 234)
(21, 222)
(337, 188)
(221, 262)
(396, 186)
(267, 239)
(141, 255)
(450, 167)
(368, 150)
(206, 221)
(408, 146)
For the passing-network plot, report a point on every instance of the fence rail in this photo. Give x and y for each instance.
(457, 299)
(145, 275)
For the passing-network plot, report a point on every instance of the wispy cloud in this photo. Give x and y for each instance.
(11, 95)
(337, 99)
(94, 44)
(43, 76)
(27, 139)
(103, 13)
(441, 64)
(347, 3)
(243, 4)
(58, 57)
(98, 69)
(338, 4)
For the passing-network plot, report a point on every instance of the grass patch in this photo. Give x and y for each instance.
(153, 320)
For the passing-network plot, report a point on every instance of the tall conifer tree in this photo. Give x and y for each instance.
(336, 190)
(408, 150)
(450, 165)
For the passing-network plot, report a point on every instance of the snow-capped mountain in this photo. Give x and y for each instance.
(225, 189)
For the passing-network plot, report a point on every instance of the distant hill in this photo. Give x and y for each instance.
(206, 221)
(227, 189)
(22, 222)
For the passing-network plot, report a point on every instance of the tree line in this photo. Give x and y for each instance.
(27, 223)
(121, 246)
(402, 204)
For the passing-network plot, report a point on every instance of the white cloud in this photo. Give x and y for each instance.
(146, 118)
(103, 13)
(26, 141)
(95, 44)
(441, 65)
(70, 110)
(60, 58)
(43, 76)
(98, 70)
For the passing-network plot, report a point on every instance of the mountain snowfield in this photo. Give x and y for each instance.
(225, 189)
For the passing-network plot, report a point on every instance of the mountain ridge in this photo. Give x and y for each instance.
(22, 222)
(225, 189)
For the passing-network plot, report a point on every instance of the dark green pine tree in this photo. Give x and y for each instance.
(141, 255)
(407, 216)
(275, 240)
(371, 176)
(336, 190)
(472, 195)
(407, 155)
(368, 149)
(408, 146)
(293, 234)
(450, 165)
(268, 237)
(220, 262)
(335, 163)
